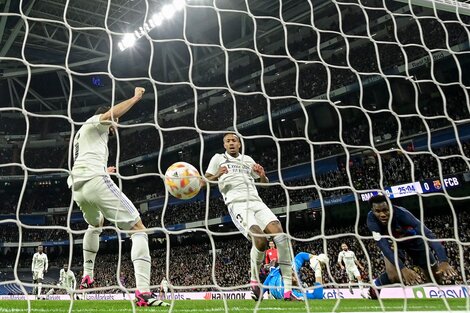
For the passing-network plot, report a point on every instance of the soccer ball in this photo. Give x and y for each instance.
(182, 180)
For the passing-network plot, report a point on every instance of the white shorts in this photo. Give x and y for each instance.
(352, 273)
(165, 290)
(249, 213)
(38, 275)
(101, 197)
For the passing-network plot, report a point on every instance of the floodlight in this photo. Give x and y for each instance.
(168, 11)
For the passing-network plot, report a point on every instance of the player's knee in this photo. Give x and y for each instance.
(95, 229)
(274, 227)
(260, 243)
(139, 226)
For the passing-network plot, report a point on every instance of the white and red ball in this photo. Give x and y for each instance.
(182, 180)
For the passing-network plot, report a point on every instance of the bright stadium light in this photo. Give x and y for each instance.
(179, 4)
(127, 41)
(168, 11)
(157, 19)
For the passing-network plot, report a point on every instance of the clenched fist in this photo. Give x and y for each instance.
(139, 92)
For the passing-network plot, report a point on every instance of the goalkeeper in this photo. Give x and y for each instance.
(275, 284)
(403, 224)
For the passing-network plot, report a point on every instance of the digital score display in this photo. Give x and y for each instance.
(426, 186)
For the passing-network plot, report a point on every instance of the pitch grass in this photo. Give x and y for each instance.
(238, 306)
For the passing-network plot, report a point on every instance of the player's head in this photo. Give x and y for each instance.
(66, 267)
(232, 144)
(271, 244)
(380, 208)
(344, 247)
(40, 249)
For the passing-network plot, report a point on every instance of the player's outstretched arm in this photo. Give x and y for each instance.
(120, 109)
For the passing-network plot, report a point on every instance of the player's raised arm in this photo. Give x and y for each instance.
(120, 109)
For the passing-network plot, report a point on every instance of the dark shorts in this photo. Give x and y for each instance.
(417, 252)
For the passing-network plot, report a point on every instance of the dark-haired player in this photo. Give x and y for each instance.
(98, 197)
(236, 174)
(403, 224)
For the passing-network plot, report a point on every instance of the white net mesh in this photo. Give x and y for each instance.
(336, 99)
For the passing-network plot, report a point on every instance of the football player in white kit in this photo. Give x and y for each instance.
(163, 288)
(236, 174)
(98, 197)
(39, 267)
(350, 265)
(66, 280)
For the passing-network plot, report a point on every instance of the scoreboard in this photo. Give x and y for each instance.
(421, 187)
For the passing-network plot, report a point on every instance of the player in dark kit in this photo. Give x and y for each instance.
(404, 224)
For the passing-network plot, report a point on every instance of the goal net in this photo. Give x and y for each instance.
(337, 100)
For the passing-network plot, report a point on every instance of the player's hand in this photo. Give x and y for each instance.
(111, 169)
(139, 92)
(410, 277)
(258, 169)
(446, 270)
(222, 170)
(342, 267)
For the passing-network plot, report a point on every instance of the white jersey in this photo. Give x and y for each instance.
(164, 284)
(67, 279)
(40, 262)
(239, 182)
(349, 258)
(90, 150)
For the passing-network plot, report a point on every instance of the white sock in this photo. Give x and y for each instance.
(91, 245)
(359, 282)
(256, 259)
(140, 255)
(39, 289)
(284, 260)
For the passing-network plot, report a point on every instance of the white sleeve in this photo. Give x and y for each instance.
(355, 259)
(316, 267)
(214, 164)
(102, 126)
(340, 257)
(74, 280)
(253, 173)
(46, 264)
(33, 263)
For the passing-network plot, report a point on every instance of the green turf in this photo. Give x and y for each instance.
(238, 306)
